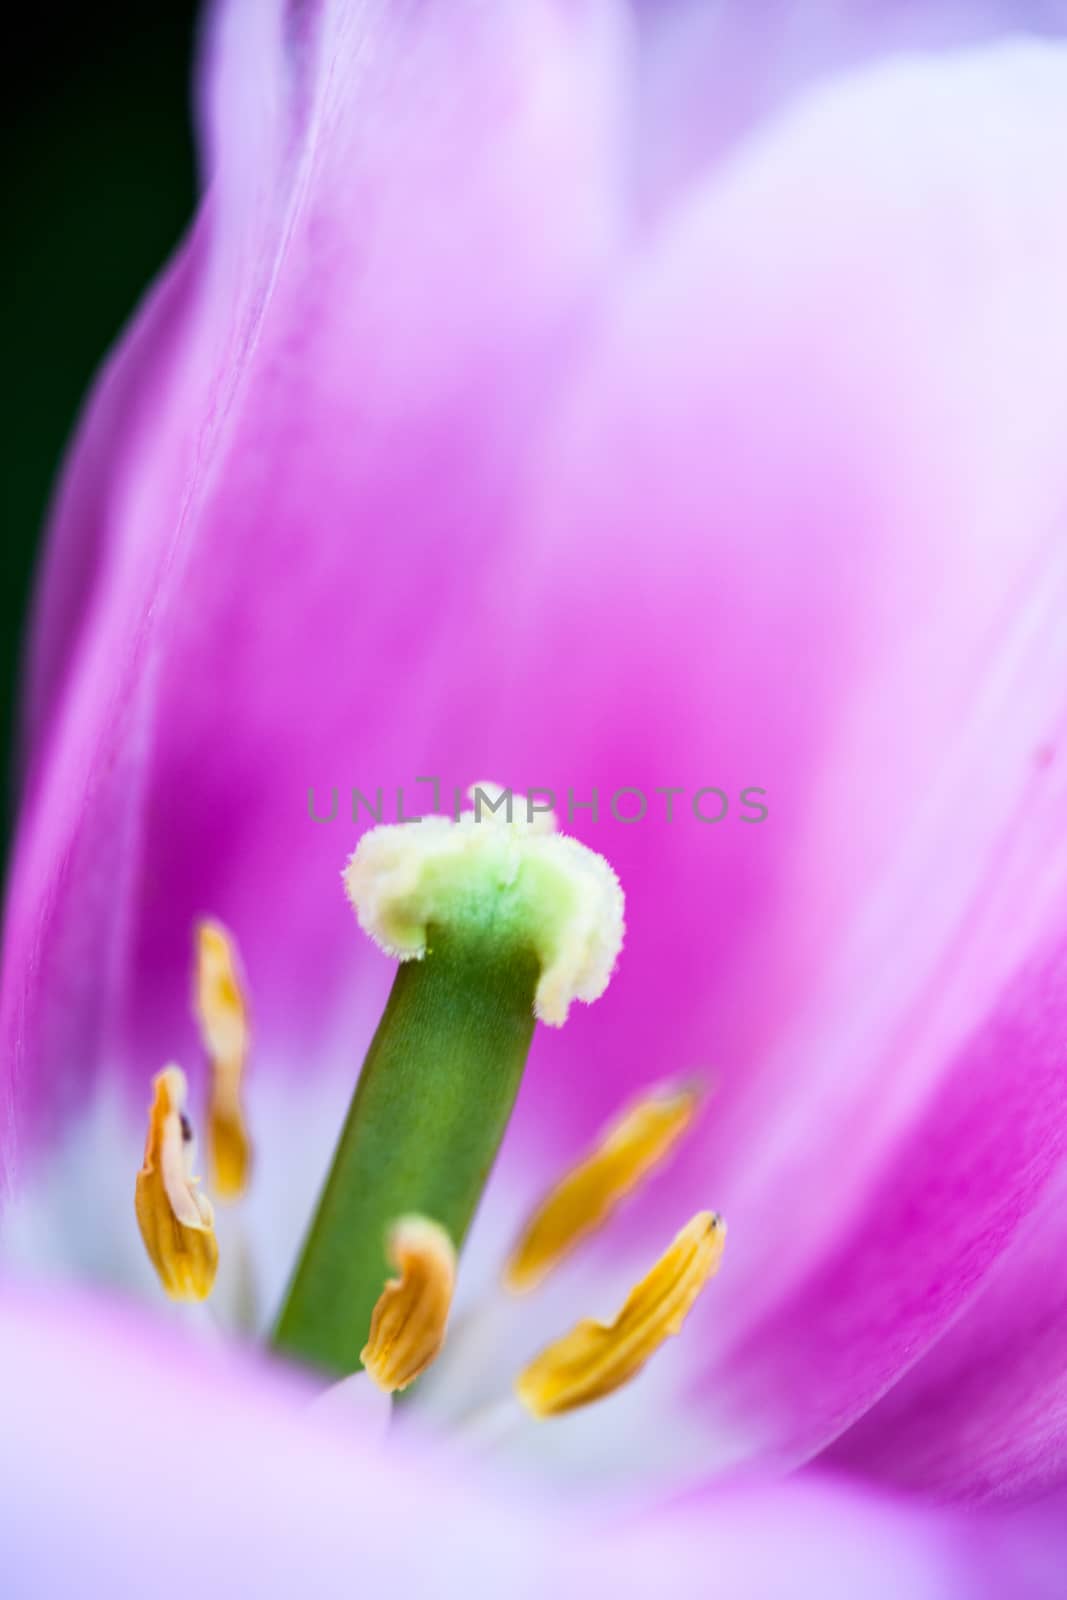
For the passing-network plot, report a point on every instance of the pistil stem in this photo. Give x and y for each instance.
(425, 1123)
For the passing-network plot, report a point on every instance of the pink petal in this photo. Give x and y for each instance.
(89, 705)
(710, 74)
(984, 1413)
(808, 504)
(362, 292)
(114, 1431)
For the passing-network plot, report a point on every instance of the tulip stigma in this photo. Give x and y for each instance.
(497, 921)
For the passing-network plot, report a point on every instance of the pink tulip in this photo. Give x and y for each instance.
(596, 398)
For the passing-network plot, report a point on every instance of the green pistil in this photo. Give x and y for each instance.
(423, 1130)
(493, 923)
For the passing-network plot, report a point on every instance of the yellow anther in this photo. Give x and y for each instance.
(221, 1010)
(176, 1221)
(628, 1151)
(407, 1327)
(596, 1358)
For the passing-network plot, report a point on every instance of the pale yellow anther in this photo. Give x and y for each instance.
(407, 1327)
(222, 1012)
(637, 1142)
(176, 1221)
(596, 1358)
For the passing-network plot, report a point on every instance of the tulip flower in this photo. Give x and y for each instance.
(541, 393)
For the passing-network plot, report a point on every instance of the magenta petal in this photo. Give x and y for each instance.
(906, 1261)
(361, 298)
(342, 565)
(114, 1431)
(984, 1413)
(82, 551)
(839, 554)
(89, 708)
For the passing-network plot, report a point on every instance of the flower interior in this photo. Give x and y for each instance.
(497, 922)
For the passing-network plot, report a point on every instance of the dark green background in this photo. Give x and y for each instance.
(101, 185)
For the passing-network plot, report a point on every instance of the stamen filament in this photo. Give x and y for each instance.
(176, 1220)
(596, 1358)
(631, 1148)
(407, 1327)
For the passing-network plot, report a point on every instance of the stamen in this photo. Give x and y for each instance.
(408, 1324)
(632, 1146)
(222, 1012)
(176, 1221)
(596, 1358)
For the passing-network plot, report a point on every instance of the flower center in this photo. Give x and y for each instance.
(494, 921)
